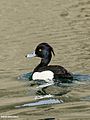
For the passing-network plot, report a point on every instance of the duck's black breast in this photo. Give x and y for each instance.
(59, 71)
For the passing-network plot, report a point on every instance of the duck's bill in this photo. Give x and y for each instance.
(31, 55)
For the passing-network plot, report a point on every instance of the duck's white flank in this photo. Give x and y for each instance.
(44, 75)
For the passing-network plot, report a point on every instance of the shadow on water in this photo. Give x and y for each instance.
(63, 88)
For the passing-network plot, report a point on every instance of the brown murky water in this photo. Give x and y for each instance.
(65, 24)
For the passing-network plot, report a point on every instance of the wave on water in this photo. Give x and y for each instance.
(25, 76)
(40, 102)
(80, 77)
(76, 77)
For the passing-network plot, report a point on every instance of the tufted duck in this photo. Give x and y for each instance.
(49, 73)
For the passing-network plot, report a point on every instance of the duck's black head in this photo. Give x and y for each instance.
(44, 51)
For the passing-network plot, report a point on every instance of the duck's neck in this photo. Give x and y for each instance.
(44, 62)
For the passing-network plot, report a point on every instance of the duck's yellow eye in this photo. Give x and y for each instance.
(40, 50)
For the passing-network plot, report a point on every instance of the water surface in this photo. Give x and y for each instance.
(65, 24)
